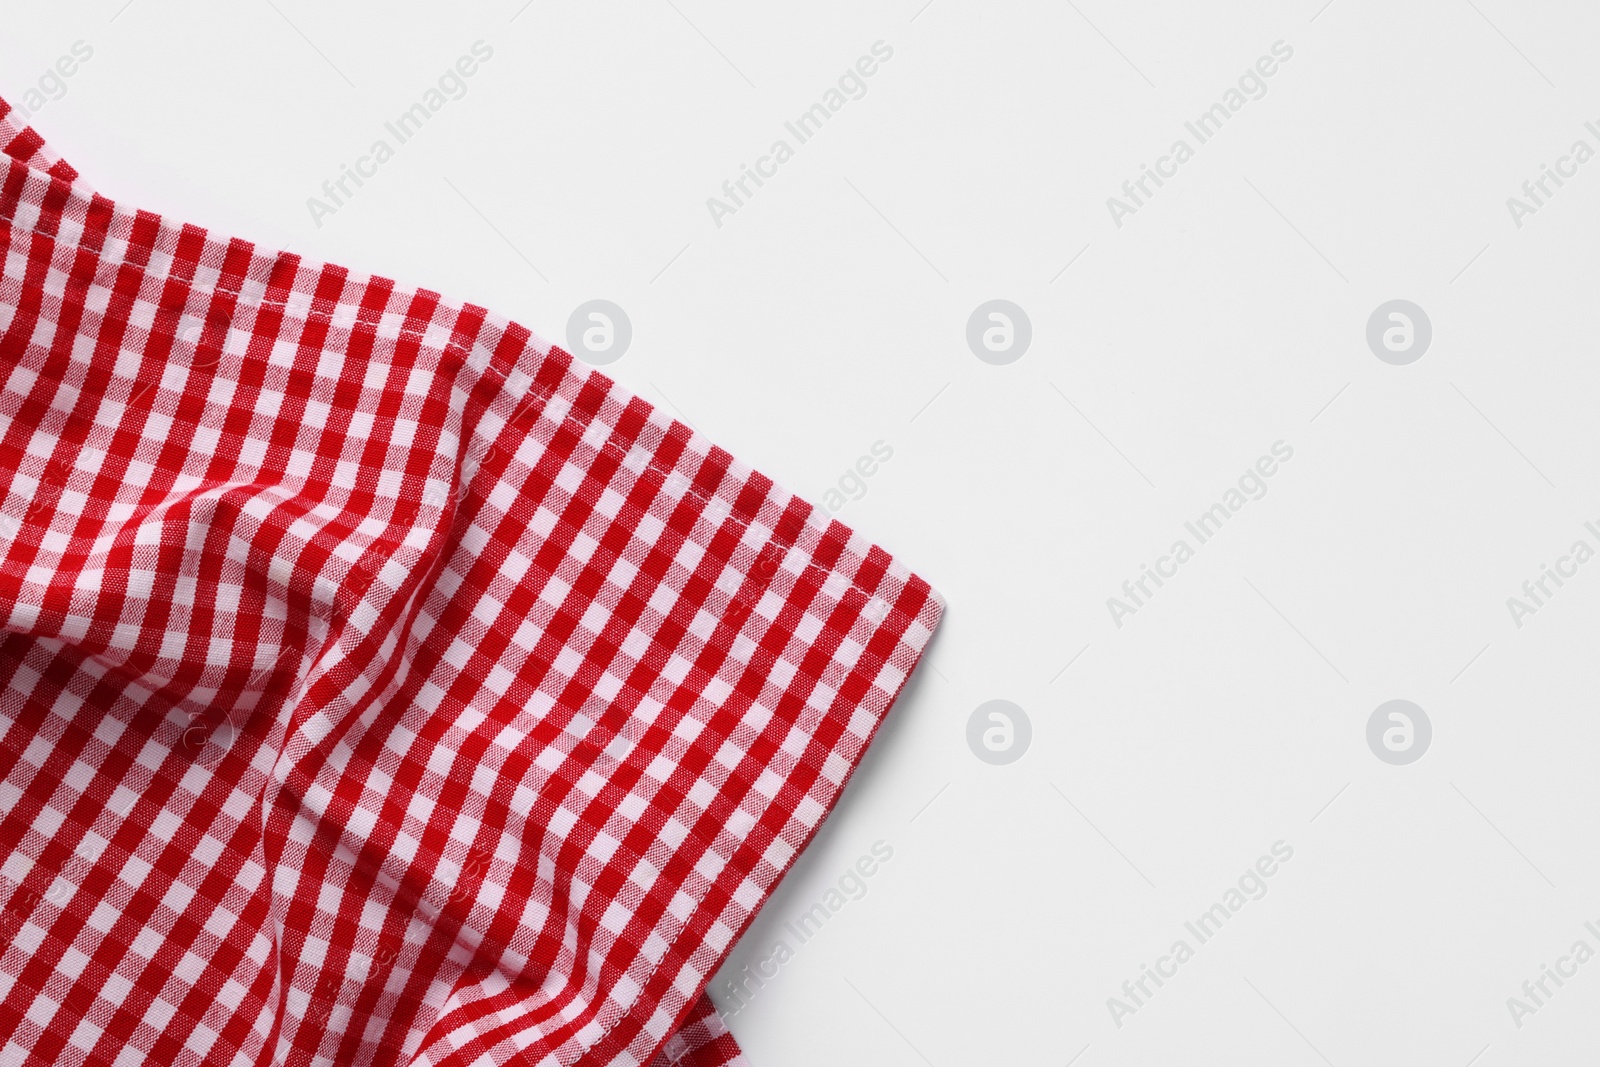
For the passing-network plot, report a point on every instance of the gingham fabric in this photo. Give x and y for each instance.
(21, 142)
(378, 684)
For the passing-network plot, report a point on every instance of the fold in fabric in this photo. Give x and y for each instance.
(379, 684)
(24, 144)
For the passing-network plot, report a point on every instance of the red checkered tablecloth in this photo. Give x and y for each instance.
(379, 684)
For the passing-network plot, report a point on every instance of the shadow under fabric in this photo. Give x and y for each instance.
(378, 683)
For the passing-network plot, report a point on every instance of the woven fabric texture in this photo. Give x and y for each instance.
(378, 683)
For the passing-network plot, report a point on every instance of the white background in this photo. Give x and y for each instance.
(829, 312)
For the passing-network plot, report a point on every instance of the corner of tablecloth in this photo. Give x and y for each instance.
(829, 627)
(774, 638)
